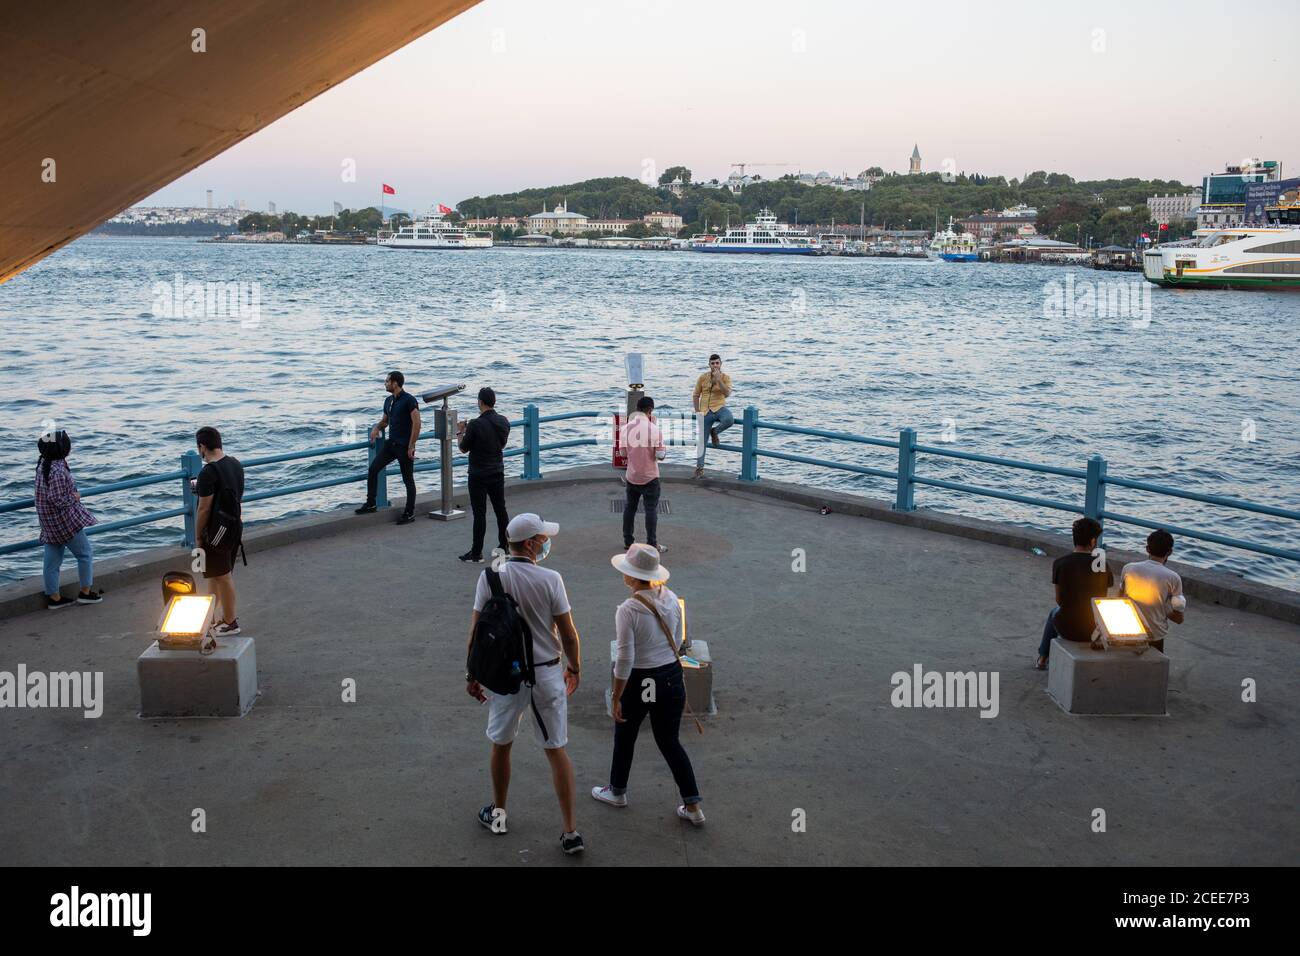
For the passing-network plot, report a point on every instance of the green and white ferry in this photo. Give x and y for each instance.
(1232, 257)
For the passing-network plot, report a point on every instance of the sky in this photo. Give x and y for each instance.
(519, 93)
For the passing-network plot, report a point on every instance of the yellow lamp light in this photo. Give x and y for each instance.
(1119, 621)
(185, 619)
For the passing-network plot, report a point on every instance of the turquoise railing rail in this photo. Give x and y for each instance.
(905, 478)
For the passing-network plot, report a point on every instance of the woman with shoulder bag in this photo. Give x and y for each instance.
(648, 679)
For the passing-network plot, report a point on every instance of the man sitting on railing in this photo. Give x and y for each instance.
(1154, 588)
(710, 399)
(1078, 577)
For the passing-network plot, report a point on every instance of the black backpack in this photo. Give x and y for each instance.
(226, 523)
(501, 652)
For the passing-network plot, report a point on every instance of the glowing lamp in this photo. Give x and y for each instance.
(1119, 622)
(185, 621)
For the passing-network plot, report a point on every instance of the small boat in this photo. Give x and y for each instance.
(952, 246)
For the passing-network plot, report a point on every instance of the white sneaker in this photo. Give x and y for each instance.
(606, 795)
(692, 813)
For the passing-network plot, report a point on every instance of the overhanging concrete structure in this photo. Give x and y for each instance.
(115, 95)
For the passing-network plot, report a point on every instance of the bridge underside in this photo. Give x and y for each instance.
(116, 96)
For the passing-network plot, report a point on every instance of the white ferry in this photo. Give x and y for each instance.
(764, 235)
(952, 246)
(1242, 257)
(435, 232)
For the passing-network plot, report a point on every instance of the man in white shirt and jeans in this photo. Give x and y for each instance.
(545, 608)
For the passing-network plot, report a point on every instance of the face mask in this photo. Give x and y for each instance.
(546, 549)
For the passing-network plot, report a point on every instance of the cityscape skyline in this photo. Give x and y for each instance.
(533, 97)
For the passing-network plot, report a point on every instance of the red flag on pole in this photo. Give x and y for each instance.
(443, 209)
(1164, 226)
(389, 190)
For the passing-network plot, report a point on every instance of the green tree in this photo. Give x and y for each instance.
(675, 172)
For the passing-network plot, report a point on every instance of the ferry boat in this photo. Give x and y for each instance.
(1240, 257)
(952, 246)
(435, 232)
(763, 235)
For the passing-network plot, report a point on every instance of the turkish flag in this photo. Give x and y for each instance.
(389, 190)
(443, 209)
(1164, 226)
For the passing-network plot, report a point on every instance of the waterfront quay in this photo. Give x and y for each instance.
(805, 726)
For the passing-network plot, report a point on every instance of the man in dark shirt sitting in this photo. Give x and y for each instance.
(1078, 581)
(402, 419)
(483, 439)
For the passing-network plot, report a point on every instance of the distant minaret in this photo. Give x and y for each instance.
(914, 166)
(271, 207)
(209, 198)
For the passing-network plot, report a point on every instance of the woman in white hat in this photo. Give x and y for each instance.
(648, 679)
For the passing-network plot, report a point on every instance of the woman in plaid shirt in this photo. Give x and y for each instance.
(63, 522)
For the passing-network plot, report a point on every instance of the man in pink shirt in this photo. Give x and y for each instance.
(645, 447)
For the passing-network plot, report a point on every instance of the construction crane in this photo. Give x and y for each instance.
(741, 166)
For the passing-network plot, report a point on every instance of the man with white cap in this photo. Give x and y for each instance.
(544, 606)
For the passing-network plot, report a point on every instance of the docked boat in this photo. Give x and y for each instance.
(952, 246)
(763, 235)
(435, 232)
(1241, 257)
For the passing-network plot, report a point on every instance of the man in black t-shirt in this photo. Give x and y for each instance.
(219, 524)
(482, 439)
(402, 419)
(1077, 580)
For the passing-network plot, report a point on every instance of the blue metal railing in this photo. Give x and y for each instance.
(905, 477)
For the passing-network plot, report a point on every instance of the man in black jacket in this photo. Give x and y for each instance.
(483, 439)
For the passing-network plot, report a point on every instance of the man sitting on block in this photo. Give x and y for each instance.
(1154, 588)
(1077, 579)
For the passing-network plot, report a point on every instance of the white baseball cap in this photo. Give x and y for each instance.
(641, 561)
(528, 525)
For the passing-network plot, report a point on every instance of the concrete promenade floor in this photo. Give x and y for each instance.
(803, 664)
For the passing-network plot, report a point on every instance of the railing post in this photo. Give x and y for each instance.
(532, 445)
(191, 464)
(749, 445)
(904, 499)
(1094, 502)
(381, 486)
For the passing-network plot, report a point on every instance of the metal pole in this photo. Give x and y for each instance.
(381, 486)
(903, 500)
(1094, 502)
(749, 445)
(191, 464)
(532, 449)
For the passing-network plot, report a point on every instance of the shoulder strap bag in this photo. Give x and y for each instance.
(668, 634)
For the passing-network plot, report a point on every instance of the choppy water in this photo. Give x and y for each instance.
(859, 345)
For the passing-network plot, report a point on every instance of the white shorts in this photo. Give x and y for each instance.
(505, 711)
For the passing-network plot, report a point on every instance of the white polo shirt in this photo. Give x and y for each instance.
(541, 596)
(1150, 585)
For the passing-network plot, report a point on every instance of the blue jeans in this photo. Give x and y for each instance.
(665, 713)
(1049, 632)
(723, 419)
(79, 545)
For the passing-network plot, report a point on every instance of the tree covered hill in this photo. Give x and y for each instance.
(1066, 206)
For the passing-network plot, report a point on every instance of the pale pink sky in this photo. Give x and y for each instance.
(519, 93)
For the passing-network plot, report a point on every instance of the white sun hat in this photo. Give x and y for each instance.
(642, 562)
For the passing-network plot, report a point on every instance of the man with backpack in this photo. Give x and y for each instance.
(521, 630)
(219, 523)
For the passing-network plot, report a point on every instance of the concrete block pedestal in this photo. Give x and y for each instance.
(189, 684)
(1115, 682)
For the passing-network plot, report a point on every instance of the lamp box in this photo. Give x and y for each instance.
(185, 620)
(1119, 623)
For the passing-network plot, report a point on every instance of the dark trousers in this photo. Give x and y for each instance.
(665, 721)
(1049, 632)
(389, 453)
(635, 493)
(480, 490)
